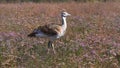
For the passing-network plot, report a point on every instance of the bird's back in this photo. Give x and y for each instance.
(47, 30)
(50, 29)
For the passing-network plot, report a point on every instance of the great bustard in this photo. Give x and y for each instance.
(51, 31)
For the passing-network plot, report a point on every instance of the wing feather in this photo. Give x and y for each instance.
(50, 29)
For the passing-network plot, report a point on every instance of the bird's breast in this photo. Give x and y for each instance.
(61, 34)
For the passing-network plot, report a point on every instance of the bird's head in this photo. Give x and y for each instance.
(65, 14)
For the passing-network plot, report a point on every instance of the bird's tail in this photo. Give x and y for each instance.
(31, 35)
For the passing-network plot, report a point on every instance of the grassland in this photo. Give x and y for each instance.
(92, 39)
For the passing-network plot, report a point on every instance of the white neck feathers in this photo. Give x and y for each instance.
(64, 24)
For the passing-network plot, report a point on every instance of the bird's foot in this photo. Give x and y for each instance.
(48, 51)
(54, 51)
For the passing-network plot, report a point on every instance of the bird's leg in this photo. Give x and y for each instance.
(49, 46)
(53, 47)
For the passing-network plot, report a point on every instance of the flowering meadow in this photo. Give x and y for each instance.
(92, 39)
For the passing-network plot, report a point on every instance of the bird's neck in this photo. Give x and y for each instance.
(64, 24)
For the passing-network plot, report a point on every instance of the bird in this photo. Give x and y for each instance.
(51, 31)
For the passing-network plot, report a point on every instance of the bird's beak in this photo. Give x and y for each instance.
(69, 14)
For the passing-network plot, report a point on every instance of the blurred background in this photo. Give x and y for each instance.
(16, 1)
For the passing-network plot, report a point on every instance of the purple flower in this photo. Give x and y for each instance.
(12, 34)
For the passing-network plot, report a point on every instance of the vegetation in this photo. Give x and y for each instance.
(14, 1)
(92, 39)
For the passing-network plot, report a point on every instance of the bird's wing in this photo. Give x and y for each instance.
(50, 29)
